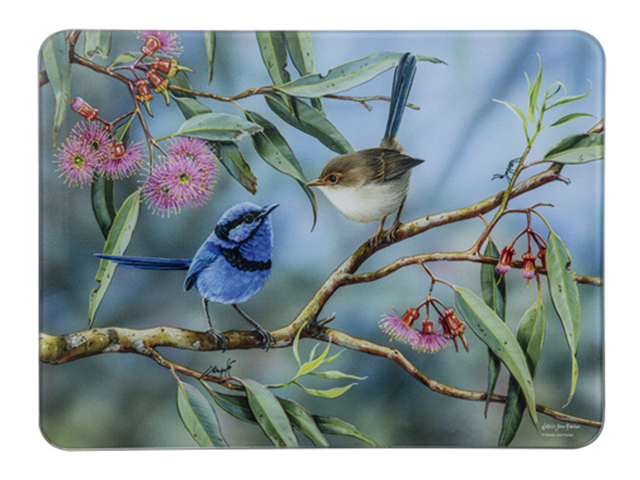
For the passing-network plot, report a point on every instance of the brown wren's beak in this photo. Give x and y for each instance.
(316, 183)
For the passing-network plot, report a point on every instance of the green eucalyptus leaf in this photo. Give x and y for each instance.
(55, 56)
(270, 415)
(530, 336)
(494, 285)
(568, 99)
(210, 47)
(313, 363)
(235, 405)
(117, 241)
(97, 42)
(310, 121)
(336, 426)
(579, 148)
(274, 55)
(345, 76)
(566, 300)
(234, 161)
(328, 393)
(124, 58)
(304, 422)
(496, 335)
(102, 203)
(300, 47)
(336, 375)
(534, 90)
(494, 292)
(190, 107)
(198, 417)
(274, 150)
(181, 79)
(518, 113)
(238, 406)
(568, 118)
(221, 127)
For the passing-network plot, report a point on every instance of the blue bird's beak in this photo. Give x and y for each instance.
(268, 209)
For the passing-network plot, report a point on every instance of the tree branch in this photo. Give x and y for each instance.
(58, 349)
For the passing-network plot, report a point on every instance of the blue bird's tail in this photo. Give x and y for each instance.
(402, 81)
(148, 263)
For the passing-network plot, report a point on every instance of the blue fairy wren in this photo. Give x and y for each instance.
(370, 184)
(230, 267)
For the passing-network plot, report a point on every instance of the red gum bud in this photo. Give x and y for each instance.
(151, 46)
(79, 106)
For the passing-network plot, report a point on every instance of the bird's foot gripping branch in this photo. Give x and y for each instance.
(180, 170)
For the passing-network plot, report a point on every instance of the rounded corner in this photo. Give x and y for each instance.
(591, 39)
(50, 38)
(48, 440)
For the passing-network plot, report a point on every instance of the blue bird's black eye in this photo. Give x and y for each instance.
(249, 218)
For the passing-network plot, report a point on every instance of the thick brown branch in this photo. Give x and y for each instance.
(58, 349)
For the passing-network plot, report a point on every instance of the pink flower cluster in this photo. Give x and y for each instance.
(90, 150)
(425, 340)
(185, 179)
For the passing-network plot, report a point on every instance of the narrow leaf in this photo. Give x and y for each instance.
(300, 47)
(345, 76)
(117, 241)
(235, 405)
(221, 127)
(518, 113)
(274, 150)
(296, 345)
(123, 59)
(55, 56)
(530, 336)
(198, 417)
(566, 300)
(190, 107)
(102, 203)
(336, 375)
(496, 335)
(336, 426)
(568, 118)
(274, 55)
(310, 121)
(97, 42)
(270, 415)
(494, 292)
(580, 148)
(304, 422)
(568, 99)
(313, 363)
(210, 47)
(534, 91)
(494, 285)
(238, 406)
(328, 393)
(234, 161)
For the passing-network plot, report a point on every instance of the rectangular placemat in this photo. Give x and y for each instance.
(363, 239)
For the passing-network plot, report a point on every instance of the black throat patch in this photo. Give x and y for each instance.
(235, 258)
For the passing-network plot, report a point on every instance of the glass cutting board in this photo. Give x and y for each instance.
(477, 322)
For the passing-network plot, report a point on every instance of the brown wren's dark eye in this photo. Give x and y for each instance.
(333, 179)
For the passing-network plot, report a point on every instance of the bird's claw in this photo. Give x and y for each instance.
(221, 338)
(267, 338)
(381, 236)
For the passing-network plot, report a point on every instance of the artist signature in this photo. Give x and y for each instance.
(558, 429)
